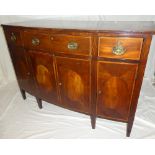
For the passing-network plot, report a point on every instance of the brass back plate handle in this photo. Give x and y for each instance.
(35, 41)
(72, 45)
(13, 37)
(118, 49)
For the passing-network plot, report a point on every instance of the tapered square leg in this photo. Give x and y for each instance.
(39, 101)
(129, 128)
(93, 121)
(23, 93)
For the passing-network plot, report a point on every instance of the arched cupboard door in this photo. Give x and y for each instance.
(115, 82)
(43, 72)
(74, 83)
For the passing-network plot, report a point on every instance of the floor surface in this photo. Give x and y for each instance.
(23, 119)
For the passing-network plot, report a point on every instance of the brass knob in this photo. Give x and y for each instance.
(52, 38)
(35, 41)
(118, 49)
(60, 83)
(13, 37)
(72, 45)
(99, 92)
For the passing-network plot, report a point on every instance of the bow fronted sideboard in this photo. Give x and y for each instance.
(91, 67)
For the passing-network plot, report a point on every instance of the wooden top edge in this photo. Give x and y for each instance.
(89, 26)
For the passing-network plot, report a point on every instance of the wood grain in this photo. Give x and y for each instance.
(22, 69)
(115, 82)
(43, 71)
(59, 43)
(44, 40)
(74, 83)
(132, 47)
(16, 33)
(89, 79)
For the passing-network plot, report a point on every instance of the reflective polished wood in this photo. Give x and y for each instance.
(90, 67)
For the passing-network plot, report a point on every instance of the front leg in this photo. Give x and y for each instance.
(39, 101)
(93, 121)
(23, 93)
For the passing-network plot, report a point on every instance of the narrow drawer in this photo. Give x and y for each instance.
(13, 36)
(80, 45)
(120, 47)
(39, 41)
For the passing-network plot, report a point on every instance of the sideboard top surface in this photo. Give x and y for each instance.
(125, 26)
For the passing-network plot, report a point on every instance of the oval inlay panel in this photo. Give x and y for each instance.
(43, 77)
(74, 86)
(116, 92)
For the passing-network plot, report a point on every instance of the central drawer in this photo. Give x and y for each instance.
(120, 47)
(71, 44)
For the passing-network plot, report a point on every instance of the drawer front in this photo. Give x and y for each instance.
(13, 37)
(39, 41)
(120, 47)
(80, 45)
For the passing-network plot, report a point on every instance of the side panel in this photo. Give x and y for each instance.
(22, 69)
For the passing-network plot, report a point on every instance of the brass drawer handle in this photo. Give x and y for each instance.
(72, 45)
(118, 49)
(13, 37)
(35, 41)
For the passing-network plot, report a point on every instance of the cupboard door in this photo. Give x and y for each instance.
(74, 83)
(43, 70)
(22, 69)
(115, 82)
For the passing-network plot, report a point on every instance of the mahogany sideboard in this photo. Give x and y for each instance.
(90, 67)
